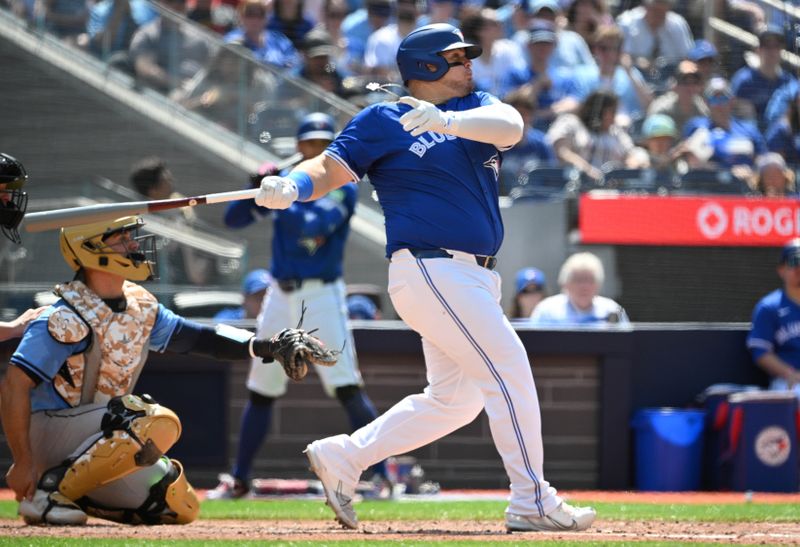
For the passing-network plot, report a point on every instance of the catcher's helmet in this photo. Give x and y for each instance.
(422, 47)
(13, 201)
(85, 247)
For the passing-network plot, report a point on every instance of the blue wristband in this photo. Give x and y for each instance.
(305, 186)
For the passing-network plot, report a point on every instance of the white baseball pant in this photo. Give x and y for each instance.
(327, 311)
(475, 361)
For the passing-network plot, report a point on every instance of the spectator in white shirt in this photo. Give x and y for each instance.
(653, 31)
(579, 303)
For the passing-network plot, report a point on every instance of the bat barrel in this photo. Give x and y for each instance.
(61, 218)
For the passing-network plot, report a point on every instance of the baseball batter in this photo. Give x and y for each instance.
(433, 158)
(307, 253)
(81, 443)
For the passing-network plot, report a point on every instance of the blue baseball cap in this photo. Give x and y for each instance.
(317, 125)
(530, 276)
(703, 49)
(791, 253)
(256, 281)
(361, 307)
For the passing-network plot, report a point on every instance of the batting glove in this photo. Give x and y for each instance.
(425, 116)
(276, 193)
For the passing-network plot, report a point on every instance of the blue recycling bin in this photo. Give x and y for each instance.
(715, 402)
(669, 449)
(762, 432)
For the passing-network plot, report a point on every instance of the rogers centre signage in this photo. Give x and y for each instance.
(684, 220)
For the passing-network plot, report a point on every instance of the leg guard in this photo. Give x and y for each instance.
(136, 432)
(171, 500)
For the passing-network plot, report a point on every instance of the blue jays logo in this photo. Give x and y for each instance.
(311, 244)
(493, 163)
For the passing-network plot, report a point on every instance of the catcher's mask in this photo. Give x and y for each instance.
(95, 247)
(13, 201)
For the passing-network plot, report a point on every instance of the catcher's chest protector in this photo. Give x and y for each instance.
(119, 345)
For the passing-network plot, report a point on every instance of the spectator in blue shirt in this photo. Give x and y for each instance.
(556, 89)
(779, 103)
(571, 49)
(753, 87)
(783, 136)
(254, 288)
(288, 19)
(268, 46)
(734, 141)
(112, 24)
(615, 72)
(533, 150)
(357, 27)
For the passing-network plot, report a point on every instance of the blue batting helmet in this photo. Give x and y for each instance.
(422, 48)
(316, 125)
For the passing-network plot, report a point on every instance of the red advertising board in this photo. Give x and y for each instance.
(684, 220)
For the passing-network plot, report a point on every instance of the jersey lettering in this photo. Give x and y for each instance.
(422, 145)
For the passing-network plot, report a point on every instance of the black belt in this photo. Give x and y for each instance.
(488, 262)
(291, 285)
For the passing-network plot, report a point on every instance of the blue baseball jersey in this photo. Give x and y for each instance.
(41, 357)
(738, 145)
(437, 191)
(309, 237)
(776, 328)
(750, 84)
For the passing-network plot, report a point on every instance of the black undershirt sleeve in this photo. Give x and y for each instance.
(196, 339)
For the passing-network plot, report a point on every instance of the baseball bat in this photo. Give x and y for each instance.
(73, 216)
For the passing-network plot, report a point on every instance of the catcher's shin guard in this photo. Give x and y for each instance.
(171, 500)
(136, 432)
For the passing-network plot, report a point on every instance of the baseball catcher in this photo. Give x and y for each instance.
(82, 443)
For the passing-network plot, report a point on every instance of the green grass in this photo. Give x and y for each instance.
(478, 510)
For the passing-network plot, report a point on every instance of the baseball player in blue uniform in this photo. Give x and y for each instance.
(307, 252)
(82, 443)
(774, 339)
(433, 158)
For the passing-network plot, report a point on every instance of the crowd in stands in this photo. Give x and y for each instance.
(602, 86)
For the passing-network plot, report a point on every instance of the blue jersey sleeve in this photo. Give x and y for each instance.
(41, 356)
(360, 143)
(321, 217)
(760, 340)
(243, 212)
(167, 321)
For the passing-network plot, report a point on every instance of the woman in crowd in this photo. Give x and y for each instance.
(591, 141)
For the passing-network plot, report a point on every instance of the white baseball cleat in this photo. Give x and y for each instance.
(339, 495)
(51, 508)
(565, 518)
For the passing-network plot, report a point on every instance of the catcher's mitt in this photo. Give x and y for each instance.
(295, 350)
